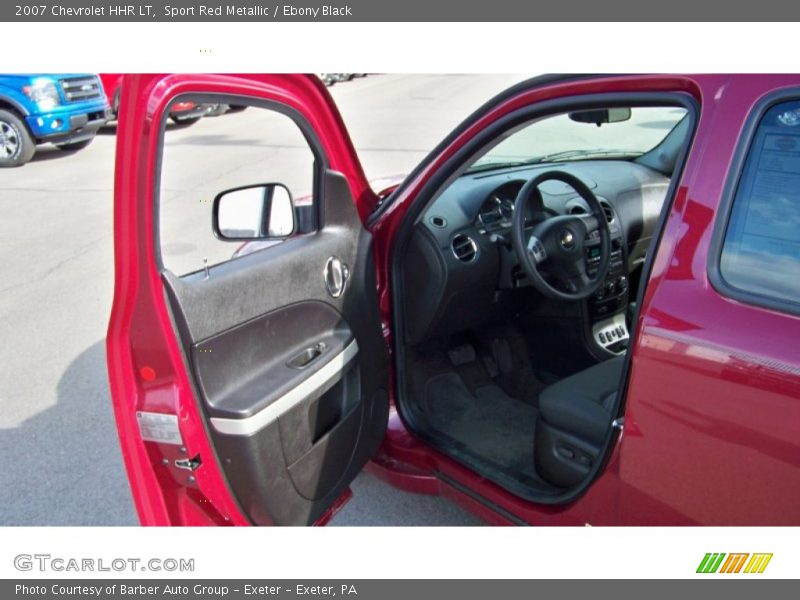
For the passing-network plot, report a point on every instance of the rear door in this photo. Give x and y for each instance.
(714, 394)
(249, 381)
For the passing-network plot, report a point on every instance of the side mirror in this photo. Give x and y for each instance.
(255, 212)
(601, 116)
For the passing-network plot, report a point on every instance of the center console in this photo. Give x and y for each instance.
(607, 305)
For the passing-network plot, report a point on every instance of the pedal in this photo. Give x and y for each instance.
(490, 365)
(461, 355)
(501, 350)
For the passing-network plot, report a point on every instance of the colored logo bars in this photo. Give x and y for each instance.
(719, 562)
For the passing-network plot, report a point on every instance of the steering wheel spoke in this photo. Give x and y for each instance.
(536, 250)
(591, 223)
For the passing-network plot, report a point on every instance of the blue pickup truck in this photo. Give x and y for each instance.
(63, 109)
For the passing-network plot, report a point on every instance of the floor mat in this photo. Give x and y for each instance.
(491, 424)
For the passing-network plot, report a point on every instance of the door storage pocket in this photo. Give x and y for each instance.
(317, 472)
(319, 435)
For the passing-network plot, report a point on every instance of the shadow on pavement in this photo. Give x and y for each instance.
(63, 466)
(51, 153)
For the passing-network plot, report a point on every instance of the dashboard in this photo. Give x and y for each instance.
(483, 203)
(461, 246)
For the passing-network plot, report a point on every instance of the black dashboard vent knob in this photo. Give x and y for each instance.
(464, 248)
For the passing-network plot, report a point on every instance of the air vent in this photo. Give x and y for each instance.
(609, 212)
(464, 248)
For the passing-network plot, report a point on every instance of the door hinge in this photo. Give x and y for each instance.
(188, 464)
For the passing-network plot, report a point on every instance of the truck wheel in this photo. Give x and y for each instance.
(71, 146)
(16, 144)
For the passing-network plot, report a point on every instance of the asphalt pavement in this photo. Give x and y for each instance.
(60, 462)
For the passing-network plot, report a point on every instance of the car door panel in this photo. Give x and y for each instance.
(292, 380)
(249, 373)
(227, 343)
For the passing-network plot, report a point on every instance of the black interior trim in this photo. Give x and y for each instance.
(663, 158)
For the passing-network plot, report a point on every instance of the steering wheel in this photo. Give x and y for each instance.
(558, 242)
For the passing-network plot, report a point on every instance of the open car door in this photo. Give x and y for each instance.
(252, 391)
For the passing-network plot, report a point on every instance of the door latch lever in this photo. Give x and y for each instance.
(188, 464)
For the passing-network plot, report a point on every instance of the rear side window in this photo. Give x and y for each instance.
(761, 248)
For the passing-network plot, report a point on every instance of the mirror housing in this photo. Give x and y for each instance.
(601, 116)
(263, 211)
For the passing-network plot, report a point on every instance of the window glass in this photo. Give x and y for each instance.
(629, 133)
(225, 150)
(761, 251)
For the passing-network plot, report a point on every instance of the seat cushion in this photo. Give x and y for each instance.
(581, 404)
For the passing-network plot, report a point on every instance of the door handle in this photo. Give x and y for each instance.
(307, 356)
(336, 274)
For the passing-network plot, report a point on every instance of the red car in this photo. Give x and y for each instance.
(583, 307)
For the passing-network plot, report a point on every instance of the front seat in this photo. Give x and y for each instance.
(574, 417)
